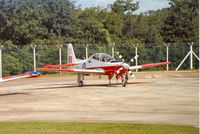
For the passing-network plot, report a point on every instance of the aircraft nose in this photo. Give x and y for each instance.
(125, 65)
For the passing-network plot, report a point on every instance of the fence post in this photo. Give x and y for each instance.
(167, 54)
(34, 57)
(191, 56)
(136, 56)
(1, 71)
(60, 55)
(86, 50)
(113, 50)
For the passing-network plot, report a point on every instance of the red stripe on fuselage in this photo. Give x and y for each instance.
(108, 69)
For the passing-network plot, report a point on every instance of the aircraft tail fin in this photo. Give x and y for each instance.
(71, 58)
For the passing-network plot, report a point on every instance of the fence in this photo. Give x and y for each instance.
(19, 59)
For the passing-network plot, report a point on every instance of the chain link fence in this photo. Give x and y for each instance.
(19, 59)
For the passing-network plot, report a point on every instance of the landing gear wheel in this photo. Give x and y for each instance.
(124, 82)
(80, 83)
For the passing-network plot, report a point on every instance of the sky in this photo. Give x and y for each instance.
(144, 5)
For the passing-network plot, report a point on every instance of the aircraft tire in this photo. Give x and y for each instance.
(124, 82)
(80, 83)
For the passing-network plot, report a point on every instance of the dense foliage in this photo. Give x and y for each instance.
(55, 22)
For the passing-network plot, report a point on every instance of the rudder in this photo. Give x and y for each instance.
(71, 58)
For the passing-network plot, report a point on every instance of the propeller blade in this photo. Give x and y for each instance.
(131, 73)
(136, 56)
(124, 66)
(118, 71)
(132, 60)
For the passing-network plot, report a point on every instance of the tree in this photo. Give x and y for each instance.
(90, 29)
(124, 6)
(181, 21)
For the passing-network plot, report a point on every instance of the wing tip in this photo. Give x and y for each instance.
(47, 66)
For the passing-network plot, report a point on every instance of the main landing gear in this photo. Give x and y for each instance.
(80, 79)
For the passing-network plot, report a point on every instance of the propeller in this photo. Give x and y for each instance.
(125, 65)
(134, 58)
(120, 56)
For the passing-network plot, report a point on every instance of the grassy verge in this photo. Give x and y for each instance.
(92, 128)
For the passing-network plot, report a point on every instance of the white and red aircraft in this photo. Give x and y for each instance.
(98, 63)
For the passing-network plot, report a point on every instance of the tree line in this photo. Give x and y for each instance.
(55, 22)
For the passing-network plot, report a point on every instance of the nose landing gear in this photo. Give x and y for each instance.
(124, 80)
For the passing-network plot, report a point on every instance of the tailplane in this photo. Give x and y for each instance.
(71, 58)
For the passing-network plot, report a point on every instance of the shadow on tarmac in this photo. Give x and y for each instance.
(9, 94)
(67, 86)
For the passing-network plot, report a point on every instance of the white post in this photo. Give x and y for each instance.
(196, 56)
(60, 55)
(1, 62)
(191, 56)
(136, 60)
(113, 50)
(182, 61)
(167, 54)
(86, 50)
(167, 58)
(34, 57)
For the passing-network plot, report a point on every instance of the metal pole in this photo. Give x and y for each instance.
(191, 56)
(34, 57)
(196, 56)
(113, 50)
(136, 60)
(167, 58)
(60, 55)
(86, 50)
(182, 61)
(1, 62)
(167, 55)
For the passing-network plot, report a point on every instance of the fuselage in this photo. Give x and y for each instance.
(101, 61)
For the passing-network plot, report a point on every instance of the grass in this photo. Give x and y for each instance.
(92, 128)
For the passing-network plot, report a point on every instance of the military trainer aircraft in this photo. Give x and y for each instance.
(98, 63)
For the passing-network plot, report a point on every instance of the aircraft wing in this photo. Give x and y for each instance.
(148, 65)
(26, 75)
(72, 70)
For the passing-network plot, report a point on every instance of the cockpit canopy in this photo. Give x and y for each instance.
(102, 57)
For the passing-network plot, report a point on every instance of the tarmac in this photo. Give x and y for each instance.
(152, 98)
